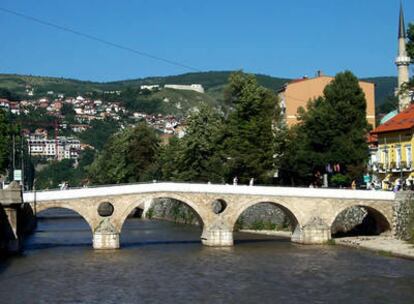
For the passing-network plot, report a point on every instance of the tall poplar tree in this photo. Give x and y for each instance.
(410, 51)
(5, 141)
(126, 157)
(410, 42)
(248, 138)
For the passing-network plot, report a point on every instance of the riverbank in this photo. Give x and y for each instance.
(280, 233)
(381, 244)
(386, 245)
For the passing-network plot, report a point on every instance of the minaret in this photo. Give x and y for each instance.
(402, 61)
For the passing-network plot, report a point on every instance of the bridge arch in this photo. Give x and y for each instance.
(139, 203)
(57, 205)
(290, 212)
(375, 222)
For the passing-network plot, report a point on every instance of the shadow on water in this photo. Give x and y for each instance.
(135, 244)
(244, 241)
(151, 243)
(55, 245)
(255, 240)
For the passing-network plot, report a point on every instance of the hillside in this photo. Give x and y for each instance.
(384, 87)
(166, 100)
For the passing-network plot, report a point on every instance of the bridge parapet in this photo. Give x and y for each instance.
(207, 188)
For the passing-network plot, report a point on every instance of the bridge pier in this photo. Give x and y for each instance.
(16, 219)
(10, 234)
(105, 240)
(316, 231)
(105, 236)
(217, 236)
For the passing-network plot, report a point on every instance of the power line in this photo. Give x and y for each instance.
(94, 38)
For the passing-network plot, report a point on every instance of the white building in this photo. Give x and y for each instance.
(149, 87)
(60, 148)
(192, 87)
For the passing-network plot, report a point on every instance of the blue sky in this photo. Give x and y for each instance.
(279, 38)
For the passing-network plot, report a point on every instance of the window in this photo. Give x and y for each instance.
(398, 157)
(385, 157)
(408, 155)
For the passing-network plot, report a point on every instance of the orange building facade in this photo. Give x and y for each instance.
(298, 92)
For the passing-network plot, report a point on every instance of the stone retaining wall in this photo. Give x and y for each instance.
(403, 221)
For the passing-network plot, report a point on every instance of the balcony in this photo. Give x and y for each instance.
(396, 167)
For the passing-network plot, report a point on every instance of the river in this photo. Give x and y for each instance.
(162, 262)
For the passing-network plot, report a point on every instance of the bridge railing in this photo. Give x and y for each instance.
(182, 182)
(121, 189)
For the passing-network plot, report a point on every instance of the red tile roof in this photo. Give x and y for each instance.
(401, 121)
(372, 138)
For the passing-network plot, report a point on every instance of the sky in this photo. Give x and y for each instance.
(274, 37)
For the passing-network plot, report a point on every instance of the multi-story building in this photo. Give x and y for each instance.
(299, 92)
(59, 148)
(395, 154)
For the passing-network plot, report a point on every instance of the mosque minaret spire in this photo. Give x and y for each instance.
(402, 61)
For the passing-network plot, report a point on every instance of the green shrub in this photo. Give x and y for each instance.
(150, 213)
(340, 180)
(239, 223)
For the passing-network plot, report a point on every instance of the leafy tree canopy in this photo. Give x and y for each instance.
(126, 157)
(5, 141)
(331, 131)
(410, 43)
(99, 133)
(248, 139)
(196, 156)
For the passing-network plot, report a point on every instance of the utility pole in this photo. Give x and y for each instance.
(14, 154)
(22, 160)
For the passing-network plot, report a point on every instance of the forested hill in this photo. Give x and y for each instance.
(214, 83)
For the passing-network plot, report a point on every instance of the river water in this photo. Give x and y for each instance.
(162, 262)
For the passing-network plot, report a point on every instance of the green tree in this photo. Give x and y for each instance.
(5, 141)
(410, 50)
(68, 112)
(99, 133)
(332, 131)
(7, 94)
(55, 173)
(410, 42)
(248, 137)
(126, 157)
(66, 170)
(196, 156)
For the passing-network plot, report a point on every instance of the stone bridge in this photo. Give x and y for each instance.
(218, 207)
